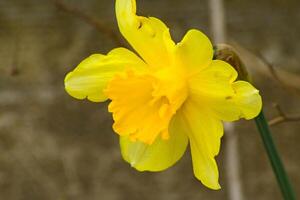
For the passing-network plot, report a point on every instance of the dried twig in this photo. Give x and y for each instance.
(283, 117)
(276, 76)
(256, 65)
(96, 23)
(14, 69)
(235, 189)
(217, 19)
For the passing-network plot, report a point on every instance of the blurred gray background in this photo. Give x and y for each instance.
(53, 147)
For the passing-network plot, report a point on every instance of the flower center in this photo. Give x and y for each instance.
(143, 104)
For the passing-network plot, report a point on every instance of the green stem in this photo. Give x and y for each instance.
(274, 158)
(228, 54)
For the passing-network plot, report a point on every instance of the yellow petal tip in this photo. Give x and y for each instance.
(216, 187)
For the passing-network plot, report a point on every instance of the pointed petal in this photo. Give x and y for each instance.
(150, 37)
(90, 77)
(204, 132)
(158, 156)
(227, 100)
(195, 51)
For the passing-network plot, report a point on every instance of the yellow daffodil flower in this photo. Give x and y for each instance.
(168, 96)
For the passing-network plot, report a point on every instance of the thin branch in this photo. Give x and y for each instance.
(232, 157)
(217, 19)
(94, 22)
(14, 69)
(257, 65)
(276, 76)
(283, 117)
(217, 16)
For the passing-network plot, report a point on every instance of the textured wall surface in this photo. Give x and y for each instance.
(55, 147)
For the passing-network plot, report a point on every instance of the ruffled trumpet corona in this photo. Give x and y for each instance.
(167, 97)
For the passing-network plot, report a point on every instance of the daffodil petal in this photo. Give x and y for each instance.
(246, 103)
(214, 81)
(90, 77)
(158, 156)
(195, 51)
(226, 99)
(150, 37)
(204, 132)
